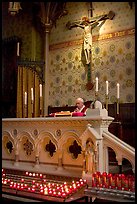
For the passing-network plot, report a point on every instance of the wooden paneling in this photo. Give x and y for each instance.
(123, 125)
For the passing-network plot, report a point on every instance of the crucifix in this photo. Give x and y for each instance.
(88, 24)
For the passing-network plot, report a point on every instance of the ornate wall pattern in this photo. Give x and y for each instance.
(113, 55)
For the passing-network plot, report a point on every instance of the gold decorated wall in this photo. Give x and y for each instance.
(113, 55)
(113, 51)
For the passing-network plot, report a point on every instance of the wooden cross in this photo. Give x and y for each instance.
(92, 22)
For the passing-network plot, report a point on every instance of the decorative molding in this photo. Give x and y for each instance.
(35, 132)
(28, 147)
(95, 38)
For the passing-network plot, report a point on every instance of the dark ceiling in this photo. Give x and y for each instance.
(49, 12)
(42, 12)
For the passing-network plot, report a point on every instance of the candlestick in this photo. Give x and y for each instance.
(117, 90)
(25, 108)
(107, 101)
(41, 106)
(18, 44)
(106, 87)
(117, 105)
(32, 108)
(96, 84)
(25, 105)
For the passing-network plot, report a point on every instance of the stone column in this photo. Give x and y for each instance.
(36, 160)
(16, 158)
(101, 156)
(60, 164)
(46, 70)
(84, 163)
(106, 159)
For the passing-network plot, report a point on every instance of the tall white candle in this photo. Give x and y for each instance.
(32, 95)
(18, 48)
(117, 90)
(106, 87)
(25, 98)
(40, 86)
(96, 84)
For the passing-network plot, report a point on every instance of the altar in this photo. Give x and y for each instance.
(58, 145)
(56, 142)
(55, 158)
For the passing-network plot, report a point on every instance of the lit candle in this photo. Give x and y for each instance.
(117, 90)
(10, 5)
(96, 84)
(25, 98)
(40, 86)
(18, 44)
(32, 95)
(106, 87)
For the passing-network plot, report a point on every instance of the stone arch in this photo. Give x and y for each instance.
(130, 161)
(66, 135)
(67, 157)
(19, 139)
(114, 150)
(41, 138)
(120, 156)
(6, 136)
(42, 155)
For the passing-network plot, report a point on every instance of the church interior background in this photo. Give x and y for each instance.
(38, 48)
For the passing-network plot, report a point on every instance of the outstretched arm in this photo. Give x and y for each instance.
(79, 25)
(96, 23)
(70, 25)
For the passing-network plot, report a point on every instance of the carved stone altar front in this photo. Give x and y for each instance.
(56, 145)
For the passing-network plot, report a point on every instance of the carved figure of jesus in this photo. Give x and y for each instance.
(88, 26)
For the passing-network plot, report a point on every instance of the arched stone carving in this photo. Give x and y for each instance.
(50, 147)
(121, 149)
(18, 143)
(75, 149)
(66, 135)
(6, 140)
(40, 140)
